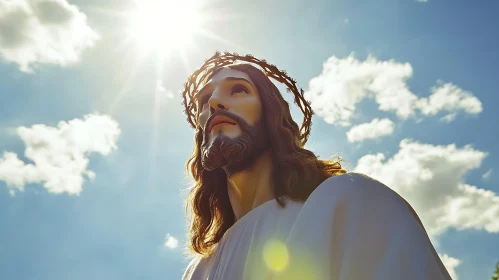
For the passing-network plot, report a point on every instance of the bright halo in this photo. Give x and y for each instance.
(164, 25)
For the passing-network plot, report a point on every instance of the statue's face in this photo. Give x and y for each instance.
(231, 119)
(233, 91)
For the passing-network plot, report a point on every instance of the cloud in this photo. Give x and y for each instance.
(43, 31)
(59, 155)
(450, 98)
(448, 118)
(487, 175)
(375, 129)
(450, 264)
(171, 242)
(422, 1)
(431, 179)
(345, 82)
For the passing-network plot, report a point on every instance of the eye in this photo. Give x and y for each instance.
(238, 88)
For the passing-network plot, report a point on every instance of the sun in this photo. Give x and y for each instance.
(164, 25)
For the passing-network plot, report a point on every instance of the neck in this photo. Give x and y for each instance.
(250, 188)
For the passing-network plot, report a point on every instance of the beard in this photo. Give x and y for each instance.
(234, 154)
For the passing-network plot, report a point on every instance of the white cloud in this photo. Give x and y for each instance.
(422, 1)
(487, 174)
(375, 129)
(449, 117)
(43, 31)
(448, 97)
(59, 154)
(450, 264)
(431, 178)
(344, 83)
(171, 242)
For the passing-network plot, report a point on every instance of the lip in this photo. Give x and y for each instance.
(220, 120)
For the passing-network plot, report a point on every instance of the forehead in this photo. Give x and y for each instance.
(225, 73)
(220, 76)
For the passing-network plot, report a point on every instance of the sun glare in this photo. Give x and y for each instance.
(164, 25)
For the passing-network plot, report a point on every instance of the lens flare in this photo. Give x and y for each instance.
(275, 255)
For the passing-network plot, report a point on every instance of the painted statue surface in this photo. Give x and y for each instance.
(264, 207)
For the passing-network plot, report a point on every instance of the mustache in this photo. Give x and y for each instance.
(242, 123)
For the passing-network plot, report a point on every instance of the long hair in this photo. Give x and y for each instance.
(296, 171)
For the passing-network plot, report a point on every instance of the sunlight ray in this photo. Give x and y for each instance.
(124, 89)
(161, 28)
(156, 122)
(164, 25)
(185, 62)
(209, 34)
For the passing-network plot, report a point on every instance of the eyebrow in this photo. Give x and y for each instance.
(200, 92)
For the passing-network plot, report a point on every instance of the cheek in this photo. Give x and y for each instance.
(202, 118)
(253, 111)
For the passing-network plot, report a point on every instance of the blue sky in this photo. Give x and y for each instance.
(413, 86)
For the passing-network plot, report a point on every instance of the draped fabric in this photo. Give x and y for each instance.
(350, 227)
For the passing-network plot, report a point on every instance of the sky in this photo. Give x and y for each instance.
(93, 139)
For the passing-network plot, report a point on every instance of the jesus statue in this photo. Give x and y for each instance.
(264, 207)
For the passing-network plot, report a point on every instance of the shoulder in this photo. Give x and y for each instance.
(191, 267)
(362, 194)
(378, 233)
(355, 186)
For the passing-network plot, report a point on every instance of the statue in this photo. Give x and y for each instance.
(264, 207)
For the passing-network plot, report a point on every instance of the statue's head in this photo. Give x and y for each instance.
(231, 118)
(238, 114)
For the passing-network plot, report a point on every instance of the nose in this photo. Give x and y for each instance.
(216, 103)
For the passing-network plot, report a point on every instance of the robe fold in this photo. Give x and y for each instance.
(351, 227)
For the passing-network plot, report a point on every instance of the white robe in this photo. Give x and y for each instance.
(351, 227)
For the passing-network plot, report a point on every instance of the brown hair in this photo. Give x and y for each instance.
(296, 171)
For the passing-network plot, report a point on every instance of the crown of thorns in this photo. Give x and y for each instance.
(191, 87)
